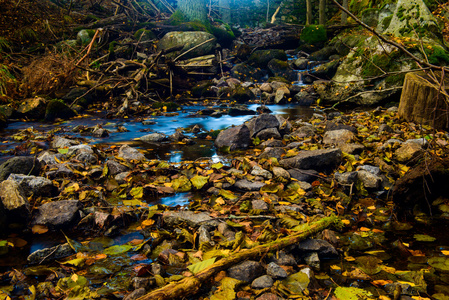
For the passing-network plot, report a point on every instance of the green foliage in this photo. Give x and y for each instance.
(177, 18)
(144, 34)
(386, 21)
(313, 34)
(4, 44)
(5, 78)
(170, 106)
(437, 55)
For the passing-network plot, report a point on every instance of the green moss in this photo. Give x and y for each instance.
(144, 34)
(381, 63)
(395, 80)
(275, 78)
(437, 55)
(386, 21)
(171, 106)
(112, 46)
(314, 34)
(177, 18)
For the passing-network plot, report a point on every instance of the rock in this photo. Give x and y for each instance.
(193, 219)
(241, 50)
(304, 98)
(422, 142)
(121, 177)
(60, 142)
(269, 296)
(57, 109)
(78, 149)
(226, 231)
(281, 174)
(281, 95)
(246, 185)
(346, 178)
(369, 180)
(204, 235)
(261, 122)
(158, 269)
(82, 94)
(87, 158)
(325, 71)
(115, 167)
(304, 131)
(242, 94)
(19, 165)
(59, 171)
(281, 68)
(135, 294)
(301, 63)
(262, 282)
(385, 128)
(269, 152)
(372, 169)
(153, 138)
(275, 271)
(323, 54)
(266, 87)
(240, 111)
(271, 143)
(187, 40)
(332, 126)
(259, 205)
(284, 259)
(258, 171)
(244, 72)
(261, 58)
(99, 132)
(324, 249)
(338, 137)
(144, 282)
(58, 214)
(233, 138)
(50, 254)
(352, 148)
(246, 271)
(33, 108)
(303, 175)
(14, 201)
(313, 159)
(129, 153)
(34, 185)
(408, 152)
(312, 260)
(84, 36)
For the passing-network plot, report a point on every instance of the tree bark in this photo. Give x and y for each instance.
(193, 10)
(344, 15)
(308, 12)
(190, 285)
(423, 102)
(322, 12)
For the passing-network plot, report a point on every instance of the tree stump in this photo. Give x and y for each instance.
(423, 102)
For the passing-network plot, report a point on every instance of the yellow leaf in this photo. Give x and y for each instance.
(364, 229)
(372, 207)
(220, 201)
(74, 277)
(147, 223)
(388, 269)
(346, 222)
(335, 267)
(349, 258)
(445, 252)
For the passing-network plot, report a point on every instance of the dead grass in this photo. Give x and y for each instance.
(47, 74)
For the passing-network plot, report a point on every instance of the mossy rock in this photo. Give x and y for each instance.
(202, 89)
(281, 68)
(245, 72)
(242, 94)
(187, 40)
(58, 109)
(261, 58)
(85, 36)
(177, 18)
(280, 79)
(370, 17)
(314, 34)
(144, 35)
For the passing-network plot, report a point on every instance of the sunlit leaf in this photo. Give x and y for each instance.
(198, 267)
(217, 166)
(228, 195)
(351, 293)
(117, 249)
(199, 181)
(424, 238)
(134, 202)
(181, 184)
(137, 192)
(75, 262)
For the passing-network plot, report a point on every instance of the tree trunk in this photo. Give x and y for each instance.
(422, 102)
(193, 10)
(225, 10)
(308, 12)
(322, 12)
(190, 285)
(344, 16)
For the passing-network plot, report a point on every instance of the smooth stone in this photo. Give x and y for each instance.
(246, 185)
(246, 271)
(193, 219)
(275, 271)
(58, 213)
(129, 153)
(262, 282)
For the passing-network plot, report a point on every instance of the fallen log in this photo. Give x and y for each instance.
(190, 285)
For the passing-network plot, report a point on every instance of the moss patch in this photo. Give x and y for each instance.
(314, 34)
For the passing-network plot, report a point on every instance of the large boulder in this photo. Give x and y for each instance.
(186, 40)
(57, 109)
(233, 138)
(34, 185)
(321, 159)
(245, 72)
(267, 121)
(14, 201)
(261, 58)
(33, 108)
(281, 68)
(19, 165)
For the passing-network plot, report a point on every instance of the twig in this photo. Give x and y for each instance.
(193, 48)
(89, 47)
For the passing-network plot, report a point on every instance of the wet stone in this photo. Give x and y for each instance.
(408, 152)
(61, 142)
(237, 137)
(158, 269)
(369, 180)
(275, 152)
(372, 169)
(39, 186)
(275, 271)
(259, 205)
(153, 138)
(269, 296)
(135, 294)
(312, 260)
(258, 171)
(87, 158)
(204, 235)
(115, 167)
(323, 248)
(281, 173)
(50, 254)
(304, 175)
(262, 282)
(74, 150)
(99, 132)
(58, 213)
(313, 159)
(193, 219)
(121, 177)
(49, 158)
(338, 137)
(19, 165)
(14, 201)
(59, 170)
(129, 153)
(352, 148)
(246, 185)
(271, 143)
(385, 128)
(284, 259)
(268, 133)
(226, 231)
(346, 178)
(246, 271)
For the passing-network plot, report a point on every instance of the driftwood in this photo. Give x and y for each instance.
(190, 285)
(424, 102)
(274, 36)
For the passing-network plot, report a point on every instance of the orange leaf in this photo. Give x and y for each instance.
(39, 229)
